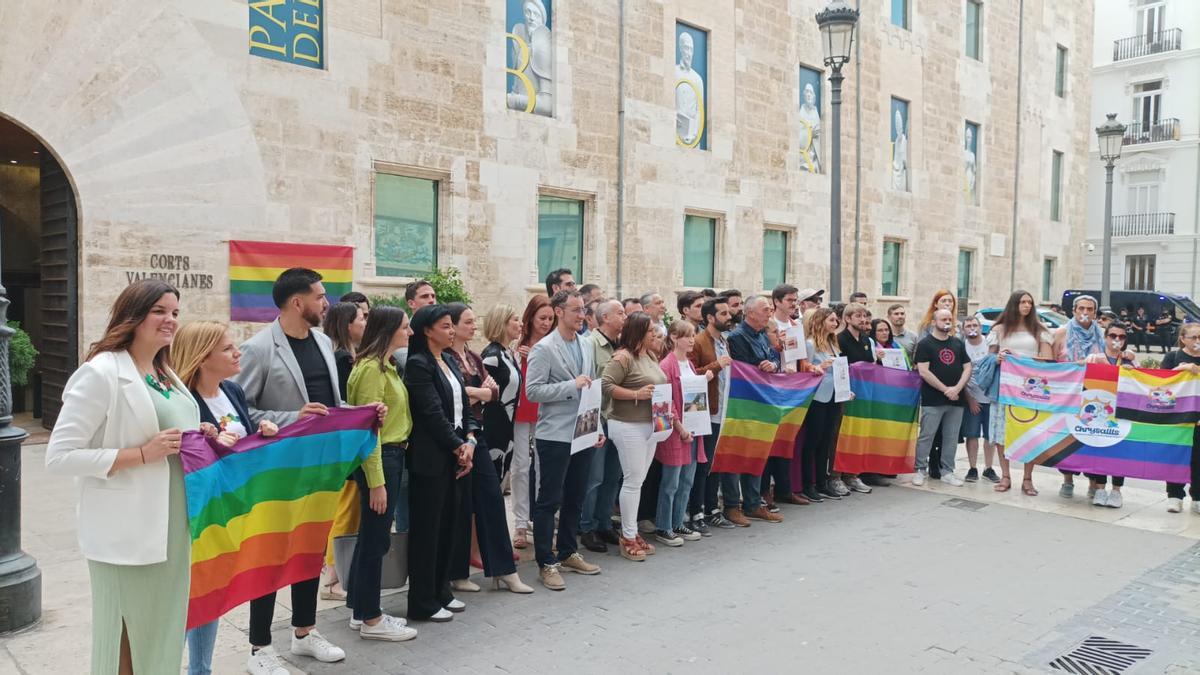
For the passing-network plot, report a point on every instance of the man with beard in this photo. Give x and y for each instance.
(288, 372)
(711, 353)
(733, 298)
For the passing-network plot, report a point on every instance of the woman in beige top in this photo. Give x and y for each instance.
(628, 382)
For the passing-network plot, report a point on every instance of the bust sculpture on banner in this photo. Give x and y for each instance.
(531, 58)
(689, 94)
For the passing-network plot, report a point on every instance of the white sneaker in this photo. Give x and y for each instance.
(1115, 501)
(919, 478)
(951, 479)
(839, 487)
(442, 615)
(1196, 507)
(265, 662)
(456, 605)
(856, 485)
(355, 624)
(389, 628)
(1175, 505)
(316, 646)
(1100, 498)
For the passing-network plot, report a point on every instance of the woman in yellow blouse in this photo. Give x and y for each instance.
(376, 380)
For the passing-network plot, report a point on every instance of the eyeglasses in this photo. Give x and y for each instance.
(1116, 336)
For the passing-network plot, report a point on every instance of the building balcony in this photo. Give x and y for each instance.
(1166, 129)
(1144, 225)
(1148, 43)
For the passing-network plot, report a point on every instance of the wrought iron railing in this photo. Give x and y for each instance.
(1157, 131)
(1143, 224)
(1148, 43)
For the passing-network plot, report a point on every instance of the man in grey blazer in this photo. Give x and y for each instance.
(288, 372)
(560, 365)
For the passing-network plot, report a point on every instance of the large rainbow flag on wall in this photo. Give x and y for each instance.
(260, 512)
(763, 414)
(254, 266)
(879, 427)
(1095, 437)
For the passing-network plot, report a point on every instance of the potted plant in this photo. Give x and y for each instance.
(21, 357)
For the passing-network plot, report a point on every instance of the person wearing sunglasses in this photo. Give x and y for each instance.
(1187, 357)
(1114, 354)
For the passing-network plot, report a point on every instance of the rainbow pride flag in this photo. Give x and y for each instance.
(1041, 385)
(879, 427)
(1158, 396)
(763, 414)
(1094, 438)
(254, 266)
(260, 512)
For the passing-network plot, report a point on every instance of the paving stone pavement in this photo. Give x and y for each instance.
(896, 581)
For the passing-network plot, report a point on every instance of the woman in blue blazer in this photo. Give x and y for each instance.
(205, 356)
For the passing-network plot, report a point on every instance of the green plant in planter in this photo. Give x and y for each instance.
(21, 355)
(447, 284)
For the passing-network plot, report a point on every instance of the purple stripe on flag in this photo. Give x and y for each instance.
(870, 372)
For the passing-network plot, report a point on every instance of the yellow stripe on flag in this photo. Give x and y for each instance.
(264, 517)
(241, 273)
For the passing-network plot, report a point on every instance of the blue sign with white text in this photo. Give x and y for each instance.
(288, 30)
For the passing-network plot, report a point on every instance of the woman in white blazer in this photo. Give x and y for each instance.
(118, 433)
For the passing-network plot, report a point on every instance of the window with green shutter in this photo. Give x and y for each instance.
(560, 236)
(699, 251)
(406, 225)
(891, 268)
(775, 255)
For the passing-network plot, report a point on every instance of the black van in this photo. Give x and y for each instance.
(1181, 308)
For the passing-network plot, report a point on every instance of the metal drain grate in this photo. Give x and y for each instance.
(964, 504)
(1100, 656)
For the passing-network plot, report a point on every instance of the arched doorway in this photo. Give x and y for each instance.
(39, 262)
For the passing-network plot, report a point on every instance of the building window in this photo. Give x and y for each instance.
(974, 17)
(560, 236)
(891, 268)
(964, 273)
(699, 251)
(1147, 104)
(1047, 278)
(1060, 72)
(775, 256)
(406, 225)
(1151, 18)
(1139, 272)
(1056, 186)
(900, 13)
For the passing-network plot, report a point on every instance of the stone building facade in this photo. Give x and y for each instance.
(176, 139)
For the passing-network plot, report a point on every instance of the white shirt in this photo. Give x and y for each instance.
(456, 394)
(976, 352)
(226, 415)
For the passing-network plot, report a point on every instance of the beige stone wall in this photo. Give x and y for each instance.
(178, 140)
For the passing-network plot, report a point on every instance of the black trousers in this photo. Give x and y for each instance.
(1098, 479)
(822, 424)
(1175, 490)
(304, 611)
(648, 504)
(778, 469)
(484, 503)
(374, 538)
(433, 502)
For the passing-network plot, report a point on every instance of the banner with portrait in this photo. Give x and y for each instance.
(691, 87)
(529, 64)
(971, 162)
(810, 120)
(898, 122)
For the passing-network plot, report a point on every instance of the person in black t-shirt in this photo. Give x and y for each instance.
(855, 338)
(945, 370)
(1139, 329)
(1187, 357)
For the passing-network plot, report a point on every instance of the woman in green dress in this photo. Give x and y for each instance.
(119, 431)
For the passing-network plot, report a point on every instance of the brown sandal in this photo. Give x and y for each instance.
(1003, 485)
(520, 541)
(1028, 489)
(631, 550)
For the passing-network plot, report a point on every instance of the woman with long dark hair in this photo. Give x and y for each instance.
(537, 322)
(441, 451)
(344, 325)
(118, 433)
(1017, 332)
(501, 328)
(375, 380)
(629, 381)
(481, 538)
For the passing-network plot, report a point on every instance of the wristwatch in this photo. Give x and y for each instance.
(472, 441)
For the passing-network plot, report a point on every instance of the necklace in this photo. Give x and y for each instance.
(161, 384)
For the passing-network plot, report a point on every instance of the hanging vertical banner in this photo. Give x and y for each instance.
(288, 30)
(691, 81)
(810, 119)
(530, 59)
(899, 144)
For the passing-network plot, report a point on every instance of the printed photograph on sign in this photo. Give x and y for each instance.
(530, 57)
(587, 420)
(899, 144)
(971, 162)
(810, 119)
(691, 82)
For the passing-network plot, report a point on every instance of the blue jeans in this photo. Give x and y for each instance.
(562, 479)
(200, 642)
(751, 494)
(674, 492)
(402, 497)
(604, 481)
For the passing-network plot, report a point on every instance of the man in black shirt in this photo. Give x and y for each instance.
(855, 338)
(945, 369)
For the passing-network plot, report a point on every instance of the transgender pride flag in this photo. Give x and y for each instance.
(1041, 385)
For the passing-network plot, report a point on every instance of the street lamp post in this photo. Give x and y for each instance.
(1111, 135)
(837, 22)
